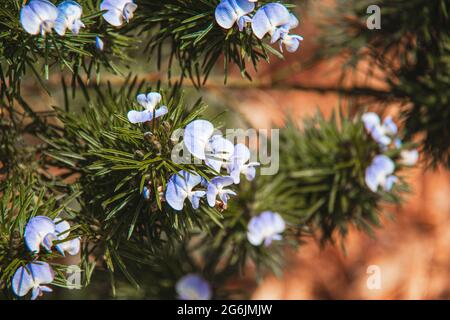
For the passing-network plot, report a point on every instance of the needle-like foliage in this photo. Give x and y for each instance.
(412, 49)
(195, 40)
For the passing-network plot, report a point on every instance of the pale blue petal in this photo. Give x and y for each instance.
(236, 175)
(113, 15)
(219, 150)
(371, 120)
(220, 147)
(193, 287)
(149, 101)
(380, 137)
(36, 230)
(390, 126)
(76, 26)
(261, 24)
(146, 193)
(45, 289)
(222, 181)
(22, 282)
(38, 16)
(268, 241)
(192, 179)
(161, 111)
(277, 223)
(211, 194)
(47, 242)
(292, 42)
(277, 14)
(213, 163)
(384, 164)
(35, 293)
(224, 195)
(371, 179)
(268, 18)
(241, 154)
(139, 116)
(128, 11)
(250, 173)
(225, 14)
(44, 9)
(265, 228)
(99, 44)
(389, 183)
(175, 195)
(195, 200)
(142, 100)
(243, 7)
(69, 15)
(293, 22)
(153, 99)
(276, 35)
(72, 247)
(42, 272)
(62, 228)
(242, 22)
(196, 137)
(29, 20)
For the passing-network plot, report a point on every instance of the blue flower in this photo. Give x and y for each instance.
(202, 143)
(38, 16)
(118, 11)
(266, 227)
(218, 151)
(380, 173)
(274, 19)
(237, 164)
(42, 231)
(382, 133)
(69, 17)
(32, 277)
(99, 44)
(216, 187)
(409, 157)
(180, 187)
(149, 102)
(146, 193)
(229, 12)
(193, 287)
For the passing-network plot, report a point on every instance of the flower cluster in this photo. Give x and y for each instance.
(380, 172)
(204, 143)
(272, 19)
(41, 231)
(42, 16)
(149, 102)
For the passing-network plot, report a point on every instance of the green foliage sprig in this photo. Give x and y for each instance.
(195, 40)
(22, 53)
(412, 49)
(21, 199)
